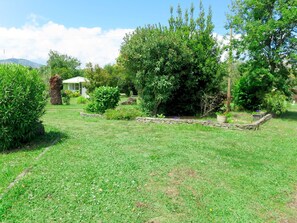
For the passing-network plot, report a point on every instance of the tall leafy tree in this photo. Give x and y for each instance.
(268, 40)
(174, 65)
(96, 76)
(205, 72)
(63, 65)
(158, 58)
(119, 77)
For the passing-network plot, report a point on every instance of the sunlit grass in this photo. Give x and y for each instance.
(124, 171)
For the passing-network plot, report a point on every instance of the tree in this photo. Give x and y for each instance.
(174, 65)
(268, 32)
(158, 58)
(63, 65)
(119, 77)
(97, 77)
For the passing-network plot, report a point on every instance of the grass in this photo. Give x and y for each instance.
(124, 171)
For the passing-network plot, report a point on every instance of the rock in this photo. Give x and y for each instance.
(130, 101)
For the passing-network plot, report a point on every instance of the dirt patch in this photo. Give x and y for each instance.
(176, 178)
(293, 204)
(141, 205)
(179, 175)
(172, 192)
(153, 221)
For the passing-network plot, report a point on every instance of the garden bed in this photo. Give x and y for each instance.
(253, 126)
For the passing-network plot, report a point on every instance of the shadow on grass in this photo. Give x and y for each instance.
(290, 115)
(40, 142)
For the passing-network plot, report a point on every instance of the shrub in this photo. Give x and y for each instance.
(275, 102)
(123, 113)
(103, 98)
(251, 89)
(66, 97)
(81, 100)
(75, 94)
(72, 94)
(174, 66)
(22, 102)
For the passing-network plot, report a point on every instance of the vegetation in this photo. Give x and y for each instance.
(66, 95)
(111, 75)
(174, 66)
(82, 100)
(252, 87)
(103, 98)
(64, 65)
(123, 113)
(276, 103)
(267, 40)
(123, 171)
(97, 77)
(72, 94)
(109, 169)
(22, 102)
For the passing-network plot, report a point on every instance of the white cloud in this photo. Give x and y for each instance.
(225, 41)
(34, 42)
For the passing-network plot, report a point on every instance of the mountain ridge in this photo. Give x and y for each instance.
(24, 62)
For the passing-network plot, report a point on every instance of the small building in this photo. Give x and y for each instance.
(76, 84)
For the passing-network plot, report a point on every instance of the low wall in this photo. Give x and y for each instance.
(90, 115)
(252, 126)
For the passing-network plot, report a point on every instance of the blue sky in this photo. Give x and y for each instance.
(114, 18)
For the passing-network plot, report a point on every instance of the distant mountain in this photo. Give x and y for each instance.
(23, 62)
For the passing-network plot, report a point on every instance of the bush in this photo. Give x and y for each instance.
(75, 94)
(66, 97)
(276, 103)
(251, 89)
(22, 102)
(103, 98)
(123, 113)
(174, 66)
(72, 94)
(82, 100)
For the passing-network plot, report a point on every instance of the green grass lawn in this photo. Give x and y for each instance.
(124, 171)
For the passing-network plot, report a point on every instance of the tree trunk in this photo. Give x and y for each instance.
(56, 85)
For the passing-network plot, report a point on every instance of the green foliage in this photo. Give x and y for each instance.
(160, 116)
(45, 74)
(276, 103)
(123, 113)
(22, 102)
(64, 65)
(111, 75)
(103, 98)
(174, 66)
(156, 77)
(82, 100)
(267, 31)
(120, 77)
(75, 94)
(72, 94)
(66, 95)
(97, 77)
(250, 90)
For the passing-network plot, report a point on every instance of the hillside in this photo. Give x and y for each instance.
(23, 62)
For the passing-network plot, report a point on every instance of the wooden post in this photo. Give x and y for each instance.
(229, 76)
